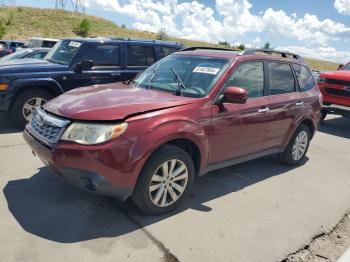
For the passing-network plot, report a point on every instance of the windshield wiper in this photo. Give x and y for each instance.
(180, 83)
(152, 76)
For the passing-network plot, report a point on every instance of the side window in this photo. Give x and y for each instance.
(305, 78)
(140, 55)
(249, 76)
(38, 55)
(103, 55)
(281, 78)
(165, 51)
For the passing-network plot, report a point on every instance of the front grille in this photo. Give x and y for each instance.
(47, 128)
(337, 82)
(338, 92)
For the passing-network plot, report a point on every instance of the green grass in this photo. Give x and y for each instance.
(23, 22)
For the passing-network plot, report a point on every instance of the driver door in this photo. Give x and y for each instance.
(240, 129)
(106, 66)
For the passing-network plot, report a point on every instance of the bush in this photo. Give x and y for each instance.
(241, 47)
(2, 30)
(162, 35)
(83, 28)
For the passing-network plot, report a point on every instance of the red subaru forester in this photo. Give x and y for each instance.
(192, 112)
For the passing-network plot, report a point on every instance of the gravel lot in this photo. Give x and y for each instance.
(256, 211)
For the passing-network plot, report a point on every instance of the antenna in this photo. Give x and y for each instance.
(77, 6)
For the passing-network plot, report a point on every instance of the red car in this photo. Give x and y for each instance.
(335, 88)
(190, 113)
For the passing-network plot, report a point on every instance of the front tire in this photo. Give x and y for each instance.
(296, 150)
(164, 181)
(25, 103)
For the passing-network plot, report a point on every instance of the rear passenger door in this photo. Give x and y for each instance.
(286, 103)
(137, 58)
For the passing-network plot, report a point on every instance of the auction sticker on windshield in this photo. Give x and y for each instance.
(74, 44)
(206, 70)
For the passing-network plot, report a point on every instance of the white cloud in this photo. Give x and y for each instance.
(342, 6)
(230, 21)
(322, 53)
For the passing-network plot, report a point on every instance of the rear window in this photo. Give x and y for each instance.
(140, 55)
(304, 76)
(281, 78)
(165, 51)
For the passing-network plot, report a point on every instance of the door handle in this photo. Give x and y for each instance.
(300, 103)
(264, 110)
(115, 74)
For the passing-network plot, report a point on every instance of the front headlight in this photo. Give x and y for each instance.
(91, 134)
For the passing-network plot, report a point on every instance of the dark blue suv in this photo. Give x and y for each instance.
(72, 63)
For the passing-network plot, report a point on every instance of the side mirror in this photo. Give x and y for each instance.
(83, 66)
(235, 95)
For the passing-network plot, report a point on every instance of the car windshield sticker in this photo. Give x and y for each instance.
(74, 44)
(206, 70)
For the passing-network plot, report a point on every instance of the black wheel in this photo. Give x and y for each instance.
(164, 181)
(295, 152)
(25, 103)
(324, 113)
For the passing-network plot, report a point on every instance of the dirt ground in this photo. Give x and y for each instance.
(325, 247)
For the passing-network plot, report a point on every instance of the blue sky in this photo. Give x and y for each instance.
(314, 28)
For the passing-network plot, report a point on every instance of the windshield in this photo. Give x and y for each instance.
(346, 67)
(191, 76)
(18, 55)
(63, 52)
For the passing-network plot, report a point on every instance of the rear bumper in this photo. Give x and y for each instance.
(96, 170)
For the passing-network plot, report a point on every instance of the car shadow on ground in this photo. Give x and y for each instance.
(339, 126)
(48, 208)
(6, 126)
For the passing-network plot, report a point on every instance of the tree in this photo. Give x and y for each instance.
(267, 45)
(224, 43)
(162, 35)
(241, 47)
(83, 28)
(2, 30)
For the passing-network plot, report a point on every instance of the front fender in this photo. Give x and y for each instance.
(20, 85)
(163, 132)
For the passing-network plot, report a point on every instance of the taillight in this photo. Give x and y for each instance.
(320, 98)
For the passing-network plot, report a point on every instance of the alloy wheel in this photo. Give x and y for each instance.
(30, 105)
(300, 145)
(168, 183)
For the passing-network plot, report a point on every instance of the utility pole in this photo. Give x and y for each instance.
(78, 6)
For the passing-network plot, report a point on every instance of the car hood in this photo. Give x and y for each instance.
(339, 75)
(29, 65)
(111, 102)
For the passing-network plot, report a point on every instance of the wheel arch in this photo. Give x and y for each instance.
(20, 86)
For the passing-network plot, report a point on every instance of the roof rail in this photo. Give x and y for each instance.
(206, 48)
(252, 51)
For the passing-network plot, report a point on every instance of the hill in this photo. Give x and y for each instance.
(22, 23)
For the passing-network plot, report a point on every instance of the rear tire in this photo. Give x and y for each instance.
(295, 152)
(25, 104)
(165, 180)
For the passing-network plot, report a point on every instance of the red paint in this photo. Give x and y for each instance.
(221, 131)
(344, 85)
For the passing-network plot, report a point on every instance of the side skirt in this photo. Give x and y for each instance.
(239, 160)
